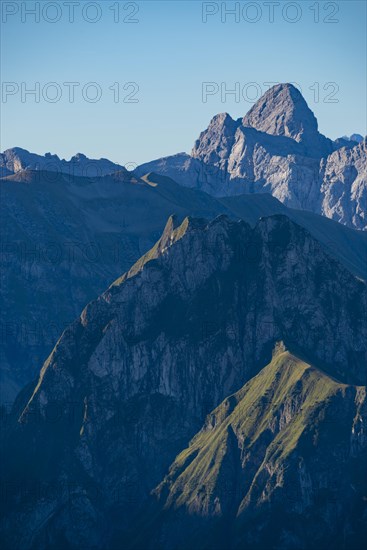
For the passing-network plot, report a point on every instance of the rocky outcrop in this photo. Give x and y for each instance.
(282, 111)
(343, 194)
(276, 148)
(131, 381)
(354, 138)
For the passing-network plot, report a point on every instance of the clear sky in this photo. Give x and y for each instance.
(148, 62)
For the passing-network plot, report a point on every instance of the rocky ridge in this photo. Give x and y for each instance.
(277, 464)
(276, 148)
(132, 380)
(66, 238)
(17, 159)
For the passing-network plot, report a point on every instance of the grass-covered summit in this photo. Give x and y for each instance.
(271, 459)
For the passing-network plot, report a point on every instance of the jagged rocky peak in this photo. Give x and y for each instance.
(174, 230)
(78, 157)
(217, 140)
(282, 111)
(222, 119)
(276, 148)
(14, 160)
(279, 114)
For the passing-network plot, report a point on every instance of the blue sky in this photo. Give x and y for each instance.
(166, 56)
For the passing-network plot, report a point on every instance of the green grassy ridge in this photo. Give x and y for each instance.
(170, 235)
(250, 413)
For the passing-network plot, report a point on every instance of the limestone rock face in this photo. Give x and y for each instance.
(344, 186)
(215, 144)
(276, 148)
(282, 111)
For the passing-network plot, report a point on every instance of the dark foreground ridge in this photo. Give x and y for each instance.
(190, 331)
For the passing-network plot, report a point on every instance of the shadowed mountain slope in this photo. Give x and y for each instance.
(279, 464)
(131, 381)
(64, 239)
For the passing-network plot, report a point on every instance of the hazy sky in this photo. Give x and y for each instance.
(138, 70)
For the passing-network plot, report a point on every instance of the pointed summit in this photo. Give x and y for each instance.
(217, 140)
(282, 111)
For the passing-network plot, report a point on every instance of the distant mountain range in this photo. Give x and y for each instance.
(15, 160)
(213, 396)
(275, 148)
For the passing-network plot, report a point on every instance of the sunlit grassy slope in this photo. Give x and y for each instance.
(265, 419)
